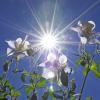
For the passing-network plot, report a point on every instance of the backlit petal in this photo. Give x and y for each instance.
(92, 23)
(19, 40)
(9, 52)
(48, 74)
(51, 57)
(83, 40)
(62, 59)
(11, 44)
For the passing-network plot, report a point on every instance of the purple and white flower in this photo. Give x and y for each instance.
(53, 66)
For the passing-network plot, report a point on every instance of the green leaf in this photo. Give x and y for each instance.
(41, 83)
(23, 76)
(73, 98)
(73, 85)
(15, 93)
(84, 59)
(1, 78)
(64, 78)
(45, 95)
(85, 72)
(11, 87)
(79, 61)
(35, 75)
(95, 69)
(71, 93)
(29, 89)
(2, 98)
(89, 98)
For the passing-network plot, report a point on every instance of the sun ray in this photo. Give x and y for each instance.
(34, 15)
(68, 42)
(34, 28)
(36, 60)
(12, 25)
(77, 18)
(53, 17)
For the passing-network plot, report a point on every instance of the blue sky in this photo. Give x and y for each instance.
(16, 20)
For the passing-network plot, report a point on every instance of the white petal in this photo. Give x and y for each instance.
(51, 57)
(48, 74)
(92, 23)
(67, 69)
(19, 40)
(97, 41)
(62, 59)
(83, 40)
(11, 44)
(9, 52)
(42, 65)
(76, 29)
(25, 53)
(26, 43)
(79, 23)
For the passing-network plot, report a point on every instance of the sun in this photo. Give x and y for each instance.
(48, 41)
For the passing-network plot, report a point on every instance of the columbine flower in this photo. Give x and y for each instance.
(53, 66)
(17, 47)
(86, 34)
(85, 30)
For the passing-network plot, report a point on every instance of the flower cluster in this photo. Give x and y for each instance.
(53, 66)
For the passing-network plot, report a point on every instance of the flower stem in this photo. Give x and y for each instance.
(82, 88)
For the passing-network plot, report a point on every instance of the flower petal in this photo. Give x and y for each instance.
(19, 40)
(76, 29)
(48, 74)
(68, 69)
(42, 64)
(11, 44)
(9, 52)
(62, 59)
(97, 41)
(25, 53)
(79, 23)
(51, 57)
(26, 44)
(92, 23)
(83, 40)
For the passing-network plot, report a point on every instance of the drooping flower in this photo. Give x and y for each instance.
(17, 47)
(86, 32)
(53, 66)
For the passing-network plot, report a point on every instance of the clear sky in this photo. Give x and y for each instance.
(17, 19)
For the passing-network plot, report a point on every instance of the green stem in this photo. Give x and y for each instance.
(82, 88)
(85, 78)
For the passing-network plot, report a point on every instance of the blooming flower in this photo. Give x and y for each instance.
(84, 29)
(85, 32)
(53, 66)
(17, 47)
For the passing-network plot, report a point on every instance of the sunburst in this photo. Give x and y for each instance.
(48, 38)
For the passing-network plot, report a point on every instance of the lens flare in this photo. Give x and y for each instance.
(48, 41)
